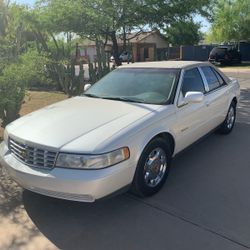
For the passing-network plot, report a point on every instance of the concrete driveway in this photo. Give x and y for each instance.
(205, 204)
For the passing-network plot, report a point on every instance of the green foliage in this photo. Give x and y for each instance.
(71, 83)
(12, 92)
(105, 19)
(28, 71)
(102, 67)
(90, 17)
(183, 32)
(16, 35)
(54, 50)
(59, 50)
(160, 13)
(32, 68)
(21, 65)
(60, 65)
(95, 19)
(15, 70)
(231, 21)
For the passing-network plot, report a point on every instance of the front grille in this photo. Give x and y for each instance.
(32, 156)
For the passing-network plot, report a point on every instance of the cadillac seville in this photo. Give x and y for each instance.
(121, 133)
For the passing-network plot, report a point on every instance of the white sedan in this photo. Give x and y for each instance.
(121, 133)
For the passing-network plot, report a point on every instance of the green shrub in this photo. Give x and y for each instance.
(29, 71)
(12, 92)
(72, 84)
(101, 67)
(32, 67)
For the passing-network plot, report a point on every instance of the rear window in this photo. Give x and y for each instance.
(212, 80)
(221, 81)
(218, 51)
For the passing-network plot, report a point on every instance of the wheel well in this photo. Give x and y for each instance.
(169, 138)
(234, 100)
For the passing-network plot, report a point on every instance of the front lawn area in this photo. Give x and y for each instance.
(35, 100)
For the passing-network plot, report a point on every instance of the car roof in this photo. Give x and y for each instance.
(225, 47)
(165, 64)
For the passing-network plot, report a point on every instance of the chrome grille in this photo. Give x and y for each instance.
(32, 156)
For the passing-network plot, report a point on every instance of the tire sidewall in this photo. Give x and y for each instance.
(233, 105)
(224, 128)
(142, 189)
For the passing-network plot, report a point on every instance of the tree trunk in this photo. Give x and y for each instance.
(115, 48)
(124, 38)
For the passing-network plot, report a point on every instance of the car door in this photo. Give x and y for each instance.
(191, 118)
(217, 97)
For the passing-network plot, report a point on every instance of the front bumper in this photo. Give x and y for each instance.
(69, 184)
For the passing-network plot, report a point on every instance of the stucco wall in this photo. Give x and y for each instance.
(91, 52)
(155, 38)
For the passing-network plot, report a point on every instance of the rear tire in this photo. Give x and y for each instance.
(228, 124)
(152, 168)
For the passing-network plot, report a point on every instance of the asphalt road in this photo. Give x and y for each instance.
(205, 204)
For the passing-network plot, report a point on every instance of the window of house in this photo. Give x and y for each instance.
(146, 53)
(192, 81)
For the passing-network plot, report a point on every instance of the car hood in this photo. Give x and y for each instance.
(64, 122)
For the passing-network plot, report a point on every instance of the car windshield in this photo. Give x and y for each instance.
(147, 85)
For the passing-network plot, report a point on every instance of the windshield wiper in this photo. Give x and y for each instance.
(125, 99)
(91, 95)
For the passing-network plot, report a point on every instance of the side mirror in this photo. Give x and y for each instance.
(86, 87)
(193, 97)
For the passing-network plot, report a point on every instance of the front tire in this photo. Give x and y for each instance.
(152, 168)
(228, 124)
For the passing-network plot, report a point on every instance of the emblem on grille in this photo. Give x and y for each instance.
(24, 154)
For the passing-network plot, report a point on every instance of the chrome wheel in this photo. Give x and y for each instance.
(155, 167)
(230, 117)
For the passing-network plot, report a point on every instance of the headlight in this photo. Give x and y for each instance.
(5, 136)
(80, 161)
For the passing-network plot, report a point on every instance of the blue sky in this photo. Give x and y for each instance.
(29, 2)
(204, 23)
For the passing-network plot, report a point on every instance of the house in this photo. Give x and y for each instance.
(148, 46)
(87, 51)
(144, 46)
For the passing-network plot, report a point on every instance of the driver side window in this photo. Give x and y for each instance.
(192, 81)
